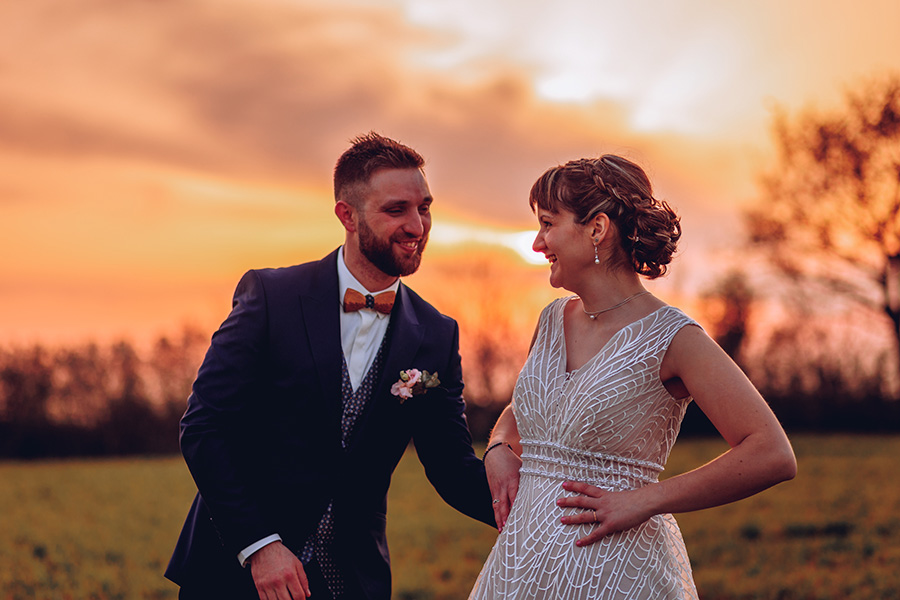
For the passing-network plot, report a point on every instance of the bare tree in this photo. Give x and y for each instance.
(829, 217)
(26, 385)
(173, 364)
(729, 302)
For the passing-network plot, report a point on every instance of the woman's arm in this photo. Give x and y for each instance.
(760, 455)
(502, 463)
(503, 468)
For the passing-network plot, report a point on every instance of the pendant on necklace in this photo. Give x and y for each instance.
(593, 315)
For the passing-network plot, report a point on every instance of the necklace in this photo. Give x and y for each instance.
(593, 315)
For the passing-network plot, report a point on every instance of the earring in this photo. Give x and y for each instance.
(596, 256)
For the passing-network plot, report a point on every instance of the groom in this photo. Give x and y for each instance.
(298, 415)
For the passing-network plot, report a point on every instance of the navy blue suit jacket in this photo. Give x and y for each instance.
(261, 434)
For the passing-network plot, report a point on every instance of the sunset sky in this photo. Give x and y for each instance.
(150, 151)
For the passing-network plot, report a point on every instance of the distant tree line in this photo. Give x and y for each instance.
(819, 370)
(94, 400)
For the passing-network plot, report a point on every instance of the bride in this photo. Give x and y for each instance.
(574, 462)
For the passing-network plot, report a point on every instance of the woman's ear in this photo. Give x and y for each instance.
(600, 226)
(345, 214)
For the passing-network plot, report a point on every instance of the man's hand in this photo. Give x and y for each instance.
(502, 466)
(278, 574)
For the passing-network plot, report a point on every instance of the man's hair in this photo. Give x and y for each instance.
(367, 154)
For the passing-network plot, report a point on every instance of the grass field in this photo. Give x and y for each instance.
(103, 529)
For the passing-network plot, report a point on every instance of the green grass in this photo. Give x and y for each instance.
(103, 529)
(90, 529)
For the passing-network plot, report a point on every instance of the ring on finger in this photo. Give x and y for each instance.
(496, 500)
(596, 519)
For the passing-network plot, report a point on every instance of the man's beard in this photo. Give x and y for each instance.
(380, 253)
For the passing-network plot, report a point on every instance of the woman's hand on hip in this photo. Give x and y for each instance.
(610, 511)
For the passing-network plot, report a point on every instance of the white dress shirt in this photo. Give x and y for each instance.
(362, 332)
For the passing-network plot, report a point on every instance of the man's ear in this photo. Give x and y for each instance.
(345, 214)
(600, 226)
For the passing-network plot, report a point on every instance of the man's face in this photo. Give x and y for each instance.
(394, 220)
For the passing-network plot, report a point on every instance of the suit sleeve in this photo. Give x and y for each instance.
(212, 436)
(444, 444)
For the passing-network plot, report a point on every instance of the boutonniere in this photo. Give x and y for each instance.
(414, 382)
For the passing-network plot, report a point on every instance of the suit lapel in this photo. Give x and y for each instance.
(319, 305)
(406, 334)
(406, 337)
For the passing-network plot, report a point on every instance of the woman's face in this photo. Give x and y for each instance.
(566, 244)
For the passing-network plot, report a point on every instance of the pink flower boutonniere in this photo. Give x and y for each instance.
(414, 382)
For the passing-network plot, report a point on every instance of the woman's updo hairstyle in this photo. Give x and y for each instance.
(648, 228)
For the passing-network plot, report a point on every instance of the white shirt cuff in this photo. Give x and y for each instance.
(245, 554)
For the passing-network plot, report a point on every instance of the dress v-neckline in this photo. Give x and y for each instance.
(565, 346)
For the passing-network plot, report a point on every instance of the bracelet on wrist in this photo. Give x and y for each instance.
(494, 445)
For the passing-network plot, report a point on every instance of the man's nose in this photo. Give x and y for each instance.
(415, 224)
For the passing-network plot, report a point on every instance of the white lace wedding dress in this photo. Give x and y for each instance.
(610, 423)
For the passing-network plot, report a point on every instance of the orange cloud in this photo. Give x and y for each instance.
(150, 151)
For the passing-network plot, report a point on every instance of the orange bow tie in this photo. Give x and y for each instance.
(383, 302)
